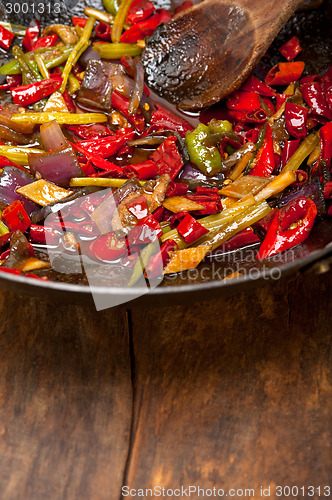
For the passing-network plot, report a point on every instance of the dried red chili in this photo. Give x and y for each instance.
(291, 48)
(291, 226)
(15, 217)
(190, 229)
(33, 92)
(284, 73)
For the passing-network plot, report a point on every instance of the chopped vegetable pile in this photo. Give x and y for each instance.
(92, 163)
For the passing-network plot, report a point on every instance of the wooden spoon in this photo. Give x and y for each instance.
(207, 51)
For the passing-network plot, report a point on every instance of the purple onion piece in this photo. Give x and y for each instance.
(11, 179)
(194, 177)
(52, 136)
(89, 55)
(312, 189)
(58, 166)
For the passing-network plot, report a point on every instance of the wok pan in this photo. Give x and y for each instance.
(313, 29)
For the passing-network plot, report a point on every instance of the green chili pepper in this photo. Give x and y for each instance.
(50, 60)
(142, 261)
(117, 50)
(27, 74)
(111, 6)
(202, 154)
(73, 84)
(77, 51)
(220, 127)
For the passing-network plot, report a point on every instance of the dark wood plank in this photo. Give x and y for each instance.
(65, 400)
(235, 393)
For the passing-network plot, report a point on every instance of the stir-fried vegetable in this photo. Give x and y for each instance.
(132, 183)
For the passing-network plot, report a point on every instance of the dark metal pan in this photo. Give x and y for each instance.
(313, 29)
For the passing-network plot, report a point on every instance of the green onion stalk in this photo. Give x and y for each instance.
(77, 51)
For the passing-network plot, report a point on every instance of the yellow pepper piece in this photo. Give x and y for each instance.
(43, 192)
(181, 204)
(61, 118)
(32, 264)
(99, 181)
(18, 154)
(185, 259)
(56, 103)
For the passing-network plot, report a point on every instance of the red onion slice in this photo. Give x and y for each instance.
(11, 179)
(57, 166)
(52, 136)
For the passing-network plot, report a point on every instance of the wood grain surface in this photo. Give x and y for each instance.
(65, 401)
(233, 393)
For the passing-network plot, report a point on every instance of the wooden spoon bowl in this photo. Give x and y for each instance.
(207, 51)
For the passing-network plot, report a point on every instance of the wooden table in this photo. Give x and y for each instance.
(233, 393)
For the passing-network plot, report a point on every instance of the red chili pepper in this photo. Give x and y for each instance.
(326, 143)
(158, 213)
(10, 271)
(301, 178)
(15, 217)
(5, 162)
(31, 35)
(241, 100)
(145, 170)
(33, 92)
(315, 98)
(6, 38)
(45, 41)
(265, 161)
(284, 73)
(105, 147)
(121, 103)
(43, 235)
(138, 207)
(108, 247)
(281, 98)
(291, 226)
(226, 142)
(291, 48)
(253, 84)
(12, 81)
(5, 254)
(184, 6)
(68, 101)
(146, 231)
(160, 260)
(168, 158)
(210, 201)
(176, 189)
(145, 28)
(5, 238)
(79, 21)
(251, 135)
(100, 162)
(90, 131)
(296, 119)
(164, 119)
(202, 190)
(190, 229)
(288, 150)
(174, 219)
(242, 239)
(139, 11)
(103, 31)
